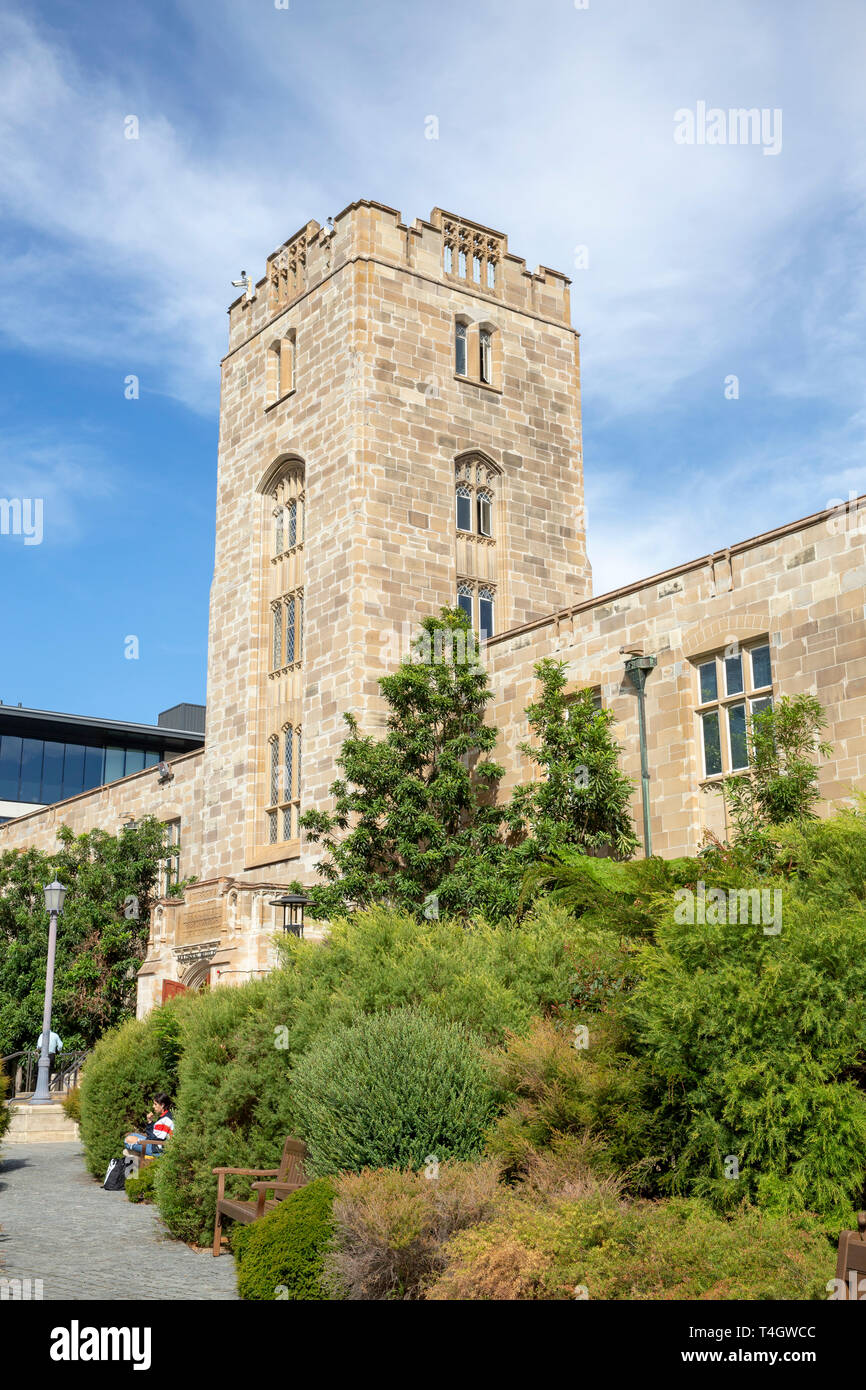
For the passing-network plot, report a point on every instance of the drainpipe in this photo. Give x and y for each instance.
(638, 668)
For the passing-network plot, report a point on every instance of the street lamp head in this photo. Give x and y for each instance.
(54, 896)
(293, 905)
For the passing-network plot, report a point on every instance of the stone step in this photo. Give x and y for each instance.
(40, 1124)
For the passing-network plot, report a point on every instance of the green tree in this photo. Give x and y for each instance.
(781, 783)
(101, 933)
(582, 798)
(416, 810)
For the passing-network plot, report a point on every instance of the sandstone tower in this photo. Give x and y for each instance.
(399, 429)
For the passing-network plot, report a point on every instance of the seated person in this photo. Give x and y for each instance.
(160, 1126)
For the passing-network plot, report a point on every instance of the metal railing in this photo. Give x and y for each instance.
(22, 1067)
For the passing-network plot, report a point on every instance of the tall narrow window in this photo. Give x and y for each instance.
(289, 787)
(277, 637)
(485, 613)
(464, 599)
(461, 264)
(476, 269)
(464, 509)
(292, 511)
(287, 366)
(460, 349)
(278, 531)
(485, 514)
(485, 365)
(290, 631)
(300, 627)
(491, 275)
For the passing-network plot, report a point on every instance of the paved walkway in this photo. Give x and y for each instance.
(57, 1225)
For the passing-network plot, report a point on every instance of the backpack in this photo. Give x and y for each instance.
(118, 1171)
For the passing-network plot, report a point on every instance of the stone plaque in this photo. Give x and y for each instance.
(200, 921)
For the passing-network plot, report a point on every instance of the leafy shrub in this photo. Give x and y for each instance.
(5, 1111)
(755, 1040)
(676, 1249)
(391, 1226)
(140, 1189)
(122, 1074)
(281, 1256)
(71, 1103)
(390, 1090)
(550, 1087)
(234, 1102)
(233, 1105)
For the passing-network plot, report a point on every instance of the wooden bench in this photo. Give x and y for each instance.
(287, 1178)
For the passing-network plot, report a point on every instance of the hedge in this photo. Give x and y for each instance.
(281, 1256)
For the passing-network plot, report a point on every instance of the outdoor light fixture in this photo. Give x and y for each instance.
(638, 668)
(55, 893)
(293, 905)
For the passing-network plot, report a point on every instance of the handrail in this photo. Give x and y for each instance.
(22, 1067)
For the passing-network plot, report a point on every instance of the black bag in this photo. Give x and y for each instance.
(118, 1171)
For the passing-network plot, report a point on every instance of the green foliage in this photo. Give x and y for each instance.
(546, 1249)
(281, 1256)
(71, 1103)
(553, 1083)
(391, 1091)
(755, 1041)
(412, 809)
(233, 1104)
(582, 798)
(119, 1080)
(5, 1112)
(782, 781)
(101, 933)
(140, 1189)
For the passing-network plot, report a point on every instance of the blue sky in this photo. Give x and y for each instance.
(556, 126)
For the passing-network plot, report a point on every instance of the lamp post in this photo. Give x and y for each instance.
(638, 669)
(293, 905)
(54, 895)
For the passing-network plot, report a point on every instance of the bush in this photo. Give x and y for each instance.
(140, 1189)
(389, 1091)
(391, 1226)
(282, 1255)
(639, 1251)
(71, 1103)
(549, 1087)
(235, 1104)
(755, 1040)
(233, 1107)
(119, 1080)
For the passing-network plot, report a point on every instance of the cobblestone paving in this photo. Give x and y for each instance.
(57, 1225)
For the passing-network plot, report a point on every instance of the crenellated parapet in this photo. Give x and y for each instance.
(448, 248)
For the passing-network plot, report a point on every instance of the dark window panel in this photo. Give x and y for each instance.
(10, 766)
(93, 763)
(73, 769)
(31, 769)
(52, 772)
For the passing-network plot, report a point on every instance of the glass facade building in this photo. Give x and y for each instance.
(46, 757)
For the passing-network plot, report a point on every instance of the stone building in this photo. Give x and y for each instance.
(400, 429)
